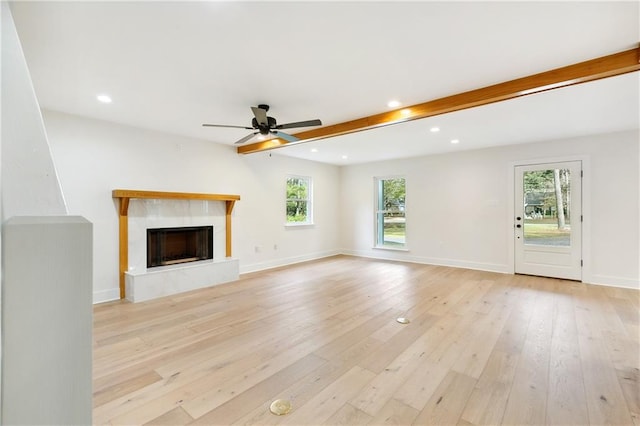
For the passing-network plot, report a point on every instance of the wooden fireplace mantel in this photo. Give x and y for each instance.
(124, 195)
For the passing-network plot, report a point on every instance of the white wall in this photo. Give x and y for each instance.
(29, 181)
(458, 206)
(94, 157)
(3, 10)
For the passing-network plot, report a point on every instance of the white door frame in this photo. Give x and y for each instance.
(586, 209)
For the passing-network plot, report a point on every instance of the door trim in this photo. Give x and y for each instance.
(586, 209)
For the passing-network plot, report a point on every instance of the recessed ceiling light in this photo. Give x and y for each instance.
(393, 104)
(314, 149)
(344, 157)
(105, 99)
(454, 141)
(434, 129)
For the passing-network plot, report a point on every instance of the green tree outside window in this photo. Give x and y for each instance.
(299, 200)
(390, 212)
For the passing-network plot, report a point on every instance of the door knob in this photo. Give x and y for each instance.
(518, 218)
(518, 226)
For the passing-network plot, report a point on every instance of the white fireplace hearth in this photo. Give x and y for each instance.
(168, 280)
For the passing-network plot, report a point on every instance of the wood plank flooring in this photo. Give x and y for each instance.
(481, 349)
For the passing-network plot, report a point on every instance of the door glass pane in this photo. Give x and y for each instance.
(547, 207)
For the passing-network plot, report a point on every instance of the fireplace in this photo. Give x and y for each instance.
(170, 246)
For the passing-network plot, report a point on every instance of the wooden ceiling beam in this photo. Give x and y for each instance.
(594, 69)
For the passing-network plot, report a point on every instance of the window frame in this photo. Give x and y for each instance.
(308, 200)
(378, 242)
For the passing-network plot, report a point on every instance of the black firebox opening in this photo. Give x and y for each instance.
(169, 246)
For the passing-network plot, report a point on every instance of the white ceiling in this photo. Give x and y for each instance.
(171, 66)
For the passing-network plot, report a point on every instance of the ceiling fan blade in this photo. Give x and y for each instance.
(226, 125)
(261, 115)
(246, 138)
(287, 137)
(299, 124)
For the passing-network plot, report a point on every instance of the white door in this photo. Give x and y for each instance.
(548, 220)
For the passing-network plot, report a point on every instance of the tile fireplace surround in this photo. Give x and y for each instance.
(142, 210)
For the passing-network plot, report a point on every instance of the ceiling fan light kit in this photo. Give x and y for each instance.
(266, 125)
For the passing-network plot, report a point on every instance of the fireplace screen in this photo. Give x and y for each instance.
(169, 246)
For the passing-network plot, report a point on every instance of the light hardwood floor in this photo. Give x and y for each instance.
(481, 348)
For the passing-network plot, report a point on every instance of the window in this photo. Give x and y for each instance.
(390, 213)
(299, 208)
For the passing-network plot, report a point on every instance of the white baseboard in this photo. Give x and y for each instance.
(604, 280)
(106, 295)
(610, 281)
(276, 263)
(403, 257)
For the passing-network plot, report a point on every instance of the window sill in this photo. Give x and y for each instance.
(390, 248)
(299, 225)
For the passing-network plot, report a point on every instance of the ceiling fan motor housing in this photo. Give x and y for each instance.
(264, 128)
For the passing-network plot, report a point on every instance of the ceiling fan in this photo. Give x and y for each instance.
(267, 125)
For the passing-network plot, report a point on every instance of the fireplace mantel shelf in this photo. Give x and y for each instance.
(128, 193)
(124, 195)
